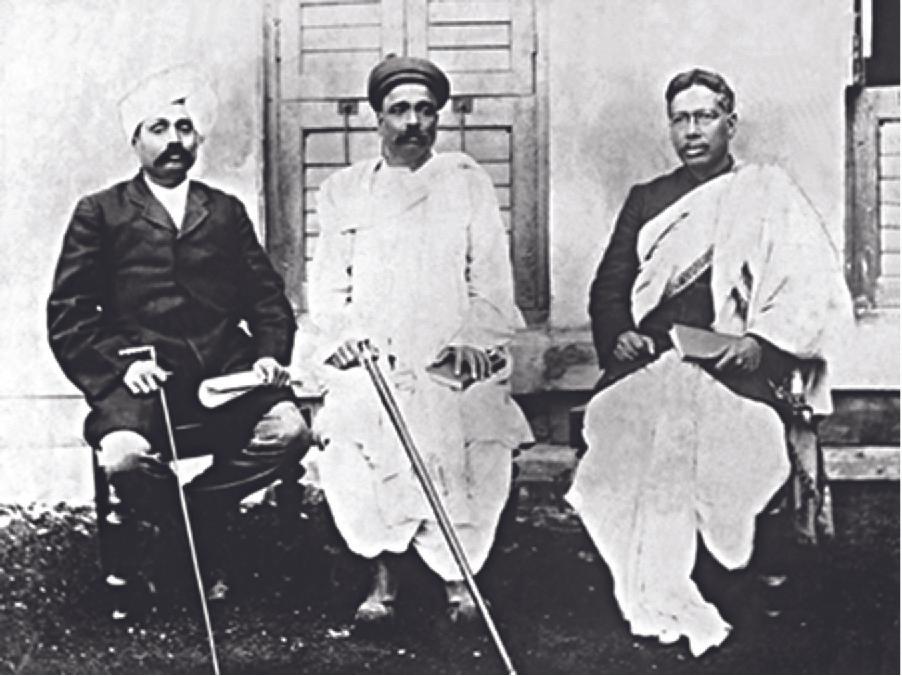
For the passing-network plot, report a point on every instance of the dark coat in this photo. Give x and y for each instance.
(609, 303)
(126, 276)
(610, 295)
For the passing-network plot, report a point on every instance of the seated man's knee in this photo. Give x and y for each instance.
(121, 451)
(281, 428)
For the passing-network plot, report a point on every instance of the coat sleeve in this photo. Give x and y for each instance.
(263, 303)
(492, 317)
(84, 344)
(609, 296)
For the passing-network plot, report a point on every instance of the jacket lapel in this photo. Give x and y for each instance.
(151, 209)
(196, 210)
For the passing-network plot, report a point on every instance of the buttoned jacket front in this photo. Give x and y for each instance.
(127, 276)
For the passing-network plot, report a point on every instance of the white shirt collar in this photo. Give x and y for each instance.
(174, 200)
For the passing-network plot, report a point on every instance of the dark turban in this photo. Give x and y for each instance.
(394, 70)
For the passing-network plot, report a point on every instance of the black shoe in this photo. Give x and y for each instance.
(130, 600)
(238, 476)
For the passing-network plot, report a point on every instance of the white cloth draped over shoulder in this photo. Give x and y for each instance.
(673, 453)
(414, 261)
(775, 272)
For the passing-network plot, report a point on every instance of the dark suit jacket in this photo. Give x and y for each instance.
(609, 305)
(126, 276)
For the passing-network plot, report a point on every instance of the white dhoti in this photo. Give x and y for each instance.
(672, 453)
(376, 499)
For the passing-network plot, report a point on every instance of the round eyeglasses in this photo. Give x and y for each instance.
(702, 118)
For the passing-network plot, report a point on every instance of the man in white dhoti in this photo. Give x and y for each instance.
(412, 256)
(673, 450)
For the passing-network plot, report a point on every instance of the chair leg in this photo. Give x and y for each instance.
(102, 507)
(772, 560)
(289, 494)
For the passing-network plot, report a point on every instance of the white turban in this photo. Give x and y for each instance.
(155, 92)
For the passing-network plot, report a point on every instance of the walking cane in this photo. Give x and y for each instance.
(151, 351)
(367, 358)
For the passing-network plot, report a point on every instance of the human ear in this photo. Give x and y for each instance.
(732, 123)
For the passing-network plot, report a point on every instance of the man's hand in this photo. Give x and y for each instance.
(271, 372)
(144, 377)
(743, 354)
(475, 359)
(348, 353)
(631, 345)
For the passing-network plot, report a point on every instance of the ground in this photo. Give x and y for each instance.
(294, 597)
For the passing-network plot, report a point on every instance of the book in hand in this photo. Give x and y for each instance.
(705, 347)
(695, 344)
(218, 390)
(443, 371)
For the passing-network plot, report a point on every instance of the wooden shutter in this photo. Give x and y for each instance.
(873, 235)
(888, 214)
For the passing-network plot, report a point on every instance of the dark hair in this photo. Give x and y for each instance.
(707, 78)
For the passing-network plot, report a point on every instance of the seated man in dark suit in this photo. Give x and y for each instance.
(162, 261)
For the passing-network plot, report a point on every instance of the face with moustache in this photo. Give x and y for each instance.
(167, 145)
(407, 125)
(701, 129)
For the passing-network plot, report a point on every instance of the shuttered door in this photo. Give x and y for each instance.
(873, 237)
(888, 212)
(320, 54)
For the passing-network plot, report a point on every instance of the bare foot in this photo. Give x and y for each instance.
(379, 603)
(461, 607)
(371, 611)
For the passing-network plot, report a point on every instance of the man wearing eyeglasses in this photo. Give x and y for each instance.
(680, 448)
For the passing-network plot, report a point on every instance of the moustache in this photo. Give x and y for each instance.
(174, 151)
